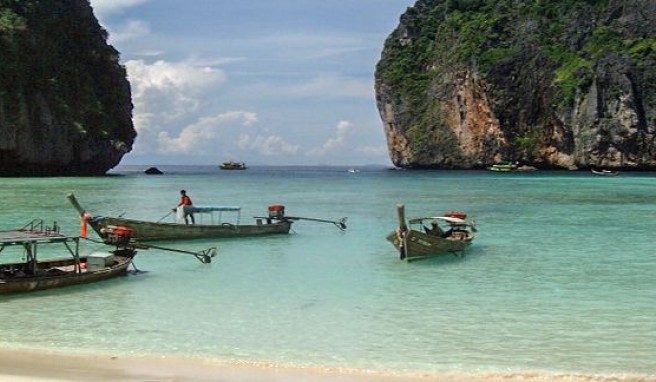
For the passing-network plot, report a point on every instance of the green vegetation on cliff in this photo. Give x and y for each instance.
(485, 33)
(48, 49)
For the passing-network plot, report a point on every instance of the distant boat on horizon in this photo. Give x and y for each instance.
(231, 165)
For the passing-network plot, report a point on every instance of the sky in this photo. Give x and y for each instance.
(266, 82)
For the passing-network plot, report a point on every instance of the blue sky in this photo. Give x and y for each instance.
(281, 82)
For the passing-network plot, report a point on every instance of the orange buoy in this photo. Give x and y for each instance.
(83, 227)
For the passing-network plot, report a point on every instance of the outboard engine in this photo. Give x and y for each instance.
(116, 235)
(276, 211)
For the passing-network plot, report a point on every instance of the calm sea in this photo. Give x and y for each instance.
(560, 278)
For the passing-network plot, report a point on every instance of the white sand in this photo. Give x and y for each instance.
(23, 366)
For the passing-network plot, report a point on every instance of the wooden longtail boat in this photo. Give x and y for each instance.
(31, 273)
(427, 237)
(275, 223)
(142, 230)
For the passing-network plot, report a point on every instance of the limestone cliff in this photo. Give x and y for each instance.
(555, 84)
(65, 102)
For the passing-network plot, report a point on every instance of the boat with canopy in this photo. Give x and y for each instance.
(209, 224)
(26, 264)
(432, 236)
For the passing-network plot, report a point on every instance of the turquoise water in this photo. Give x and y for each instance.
(560, 277)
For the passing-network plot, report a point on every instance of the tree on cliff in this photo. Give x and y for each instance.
(65, 102)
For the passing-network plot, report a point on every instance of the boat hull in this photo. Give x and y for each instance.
(47, 279)
(151, 231)
(417, 245)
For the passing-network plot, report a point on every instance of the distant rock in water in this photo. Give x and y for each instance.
(153, 171)
(65, 102)
(554, 84)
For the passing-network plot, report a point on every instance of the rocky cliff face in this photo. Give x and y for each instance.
(557, 84)
(65, 102)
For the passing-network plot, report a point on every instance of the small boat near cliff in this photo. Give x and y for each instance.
(231, 165)
(605, 172)
(28, 272)
(508, 166)
(276, 223)
(505, 166)
(426, 237)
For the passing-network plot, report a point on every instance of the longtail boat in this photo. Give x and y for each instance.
(141, 230)
(425, 237)
(27, 272)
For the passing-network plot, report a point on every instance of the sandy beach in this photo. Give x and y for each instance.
(20, 365)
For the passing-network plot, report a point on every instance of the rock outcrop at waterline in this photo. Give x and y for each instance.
(65, 102)
(555, 84)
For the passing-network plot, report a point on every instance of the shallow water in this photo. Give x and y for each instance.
(560, 276)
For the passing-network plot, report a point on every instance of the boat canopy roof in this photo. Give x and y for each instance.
(28, 237)
(448, 219)
(209, 209)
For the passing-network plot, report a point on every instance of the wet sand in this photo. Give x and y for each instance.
(23, 366)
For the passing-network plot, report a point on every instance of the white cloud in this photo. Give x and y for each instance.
(198, 137)
(129, 31)
(104, 7)
(167, 95)
(169, 90)
(267, 145)
(164, 76)
(332, 145)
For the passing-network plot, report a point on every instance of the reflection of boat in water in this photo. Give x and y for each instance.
(33, 272)
(605, 172)
(233, 166)
(426, 237)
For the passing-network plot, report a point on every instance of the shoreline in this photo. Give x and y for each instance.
(41, 366)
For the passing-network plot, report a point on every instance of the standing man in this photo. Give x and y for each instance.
(185, 203)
